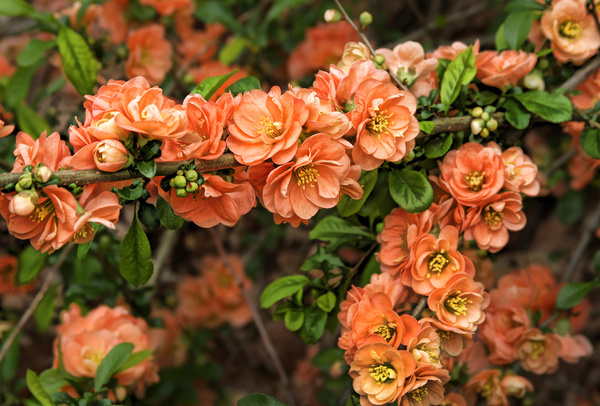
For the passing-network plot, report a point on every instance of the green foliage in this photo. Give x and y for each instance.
(133, 360)
(37, 390)
(282, 288)
(573, 293)
(79, 64)
(111, 363)
(314, 324)
(516, 114)
(326, 302)
(35, 52)
(294, 319)
(10, 363)
(426, 126)
(438, 145)
(347, 206)
(460, 72)
(167, 217)
(209, 86)
(232, 50)
(323, 259)
(552, 107)
(147, 168)
(45, 310)
(30, 121)
(131, 193)
(258, 399)
(244, 84)
(411, 190)
(54, 379)
(516, 28)
(590, 142)
(334, 228)
(16, 8)
(136, 264)
(31, 263)
(149, 217)
(524, 5)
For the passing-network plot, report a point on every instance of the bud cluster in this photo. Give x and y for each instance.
(27, 198)
(186, 182)
(483, 123)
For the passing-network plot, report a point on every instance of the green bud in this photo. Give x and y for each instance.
(181, 193)
(191, 187)
(379, 228)
(191, 175)
(409, 157)
(172, 183)
(484, 133)
(365, 19)
(485, 116)
(492, 125)
(543, 64)
(379, 59)
(180, 172)
(477, 125)
(18, 188)
(477, 112)
(180, 181)
(332, 16)
(25, 181)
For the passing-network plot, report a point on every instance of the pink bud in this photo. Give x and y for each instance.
(111, 156)
(23, 203)
(514, 385)
(43, 174)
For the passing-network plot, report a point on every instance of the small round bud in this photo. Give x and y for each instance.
(485, 116)
(172, 183)
(181, 193)
(379, 228)
(332, 16)
(111, 156)
(492, 125)
(484, 133)
(365, 19)
(25, 182)
(477, 125)
(477, 112)
(543, 64)
(23, 203)
(379, 59)
(43, 174)
(191, 175)
(534, 81)
(180, 182)
(18, 188)
(191, 187)
(409, 157)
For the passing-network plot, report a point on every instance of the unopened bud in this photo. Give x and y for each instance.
(180, 193)
(23, 203)
(120, 393)
(543, 64)
(534, 81)
(485, 133)
(191, 175)
(25, 180)
(477, 112)
(485, 116)
(409, 157)
(43, 174)
(379, 59)
(172, 183)
(332, 16)
(111, 156)
(492, 125)
(477, 126)
(180, 182)
(337, 369)
(191, 187)
(365, 19)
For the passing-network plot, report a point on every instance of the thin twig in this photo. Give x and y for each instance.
(552, 319)
(365, 40)
(264, 335)
(559, 162)
(420, 307)
(167, 243)
(50, 275)
(581, 74)
(586, 237)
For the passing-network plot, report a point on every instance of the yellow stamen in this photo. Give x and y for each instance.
(419, 394)
(438, 263)
(487, 389)
(537, 349)
(379, 123)
(42, 211)
(306, 175)
(96, 356)
(386, 331)
(83, 232)
(475, 180)
(570, 29)
(492, 218)
(270, 129)
(457, 305)
(382, 373)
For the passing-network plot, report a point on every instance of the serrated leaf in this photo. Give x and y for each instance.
(135, 264)
(516, 114)
(555, 108)
(426, 126)
(167, 217)
(332, 227)
(282, 288)
(314, 324)
(37, 390)
(111, 363)
(133, 360)
(294, 318)
(244, 84)
(148, 215)
(31, 263)
(438, 145)
(347, 206)
(147, 168)
(16, 8)
(590, 142)
(516, 28)
(572, 294)
(326, 302)
(209, 86)
(34, 52)
(460, 72)
(78, 62)
(258, 399)
(411, 190)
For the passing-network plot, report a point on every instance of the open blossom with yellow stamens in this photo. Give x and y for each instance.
(538, 352)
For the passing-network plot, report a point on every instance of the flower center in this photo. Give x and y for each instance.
(474, 180)
(386, 331)
(537, 349)
(457, 305)
(419, 394)
(269, 128)
(306, 175)
(42, 211)
(487, 389)
(492, 218)
(83, 232)
(570, 29)
(382, 373)
(379, 123)
(96, 356)
(438, 263)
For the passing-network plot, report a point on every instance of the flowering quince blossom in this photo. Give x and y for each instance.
(538, 352)
(353, 51)
(166, 7)
(502, 329)
(322, 117)
(451, 51)
(503, 69)
(149, 54)
(520, 173)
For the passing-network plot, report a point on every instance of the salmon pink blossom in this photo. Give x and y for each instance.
(504, 69)
(149, 53)
(538, 352)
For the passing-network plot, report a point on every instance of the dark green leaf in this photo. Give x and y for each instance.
(441, 68)
(332, 227)
(147, 168)
(216, 11)
(148, 215)
(524, 5)
(151, 150)
(133, 360)
(16, 8)
(78, 62)
(244, 84)
(30, 121)
(555, 108)
(590, 142)
(371, 268)
(411, 190)
(34, 52)
(438, 145)
(314, 324)
(572, 293)
(61, 398)
(426, 126)
(18, 88)
(45, 310)
(136, 264)
(37, 390)
(517, 27)
(516, 114)
(258, 399)
(209, 86)
(597, 261)
(294, 319)
(486, 97)
(326, 302)
(168, 219)
(460, 72)
(571, 207)
(347, 206)
(323, 259)
(282, 288)
(31, 263)
(10, 362)
(500, 39)
(132, 192)
(111, 363)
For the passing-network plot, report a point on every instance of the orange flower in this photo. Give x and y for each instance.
(266, 125)
(492, 220)
(49, 150)
(214, 68)
(5, 129)
(379, 372)
(571, 30)
(514, 385)
(454, 399)
(322, 117)
(385, 124)
(487, 385)
(504, 69)
(451, 51)
(472, 173)
(538, 352)
(112, 18)
(166, 7)
(425, 347)
(101, 209)
(149, 54)
(83, 352)
(590, 92)
(502, 329)
(520, 173)
(313, 181)
(574, 347)
(435, 261)
(426, 386)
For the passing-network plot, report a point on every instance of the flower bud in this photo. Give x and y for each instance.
(365, 19)
(485, 133)
(121, 393)
(181, 193)
(332, 16)
(111, 156)
(492, 125)
(23, 203)
(543, 64)
(485, 116)
(172, 183)
(25, 180)
(409, 157)
(43, 174)
(514, 385)
(534, 81)
(180, 182)
(379, 59)
(477, 112)
(477, 125)
(191, 175)
(191, 187)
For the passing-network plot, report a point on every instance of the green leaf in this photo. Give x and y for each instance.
(517, 27)
(167, 217)
(147, 168)
(347, 206)
(37, 390)
(314, 324)
(61, 398)
(486, 97)
(232, 50)
(294, 318)
(244, 84)
(372, 267)
(16, 8)
(209, 86)
(597, 261)
(326, 302)
(78, 62)
(10, 363)
(216, 11)
(45, 310)
(555, 108)
(426, 126)
(323, 259)
(111, 363)
(53, 379)
(31, 263)
(282, 288)
(438, 146)
(18, 87)
(572, 293)
(30, 121)
(441, 68)
(500, 39)
(132, 192)
(460, 72)
(590, 142)
(133, 360)
(516, 114)
(411, 190)
(258, 399)
(148, 215)
(280, 6)
(34, 52)
(524, 5)
(332, 227)
(136, 264)
(570, 207)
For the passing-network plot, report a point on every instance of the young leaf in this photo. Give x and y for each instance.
(294, 318)
(53, 379)
(168, 219)
(347, 206)
(572, 293)
(460, 72)
(323, 259)
(552, 107)
(411, 190)
(30, 121)
(282, 288)
(426, 126)
(111, 363)
(147, 168)
(16, 8)
(332, 227)
(135, 264)
(326, 302)
(314, 324)
(37, 390)
(209, 86)
(34, 52)
(232, 50)
(244, 84)
(31, 263)
(258, 399)
(517, 27)
(133, 360)
(516, 114)
(438, 145)
(590, 142)
(132, 192)
(500, 40)
(79, 64)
